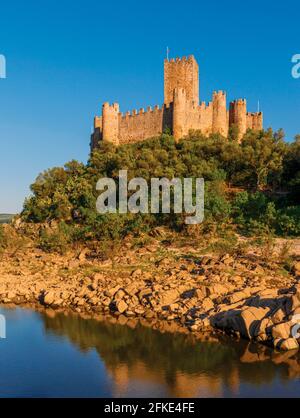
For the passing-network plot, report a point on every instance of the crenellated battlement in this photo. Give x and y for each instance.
(219, 94)
(204, 105)
(181, 111)
(255, 121)
(239, 102)
(183, 59)
(111, 107)
(143, 111)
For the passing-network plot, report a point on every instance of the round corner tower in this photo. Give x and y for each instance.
(238, 116)
(110, 120)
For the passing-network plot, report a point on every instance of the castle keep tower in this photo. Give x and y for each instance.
(181, 73)
(180, 113)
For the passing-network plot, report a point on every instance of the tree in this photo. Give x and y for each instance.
(263, 155)
(291, 173)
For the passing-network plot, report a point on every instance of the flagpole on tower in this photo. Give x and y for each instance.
(168, 53)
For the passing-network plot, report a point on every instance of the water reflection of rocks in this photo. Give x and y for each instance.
(180, 364)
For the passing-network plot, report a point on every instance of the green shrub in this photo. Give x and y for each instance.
(289, 221)
(55, 240)
(3, 238)
(262, 164)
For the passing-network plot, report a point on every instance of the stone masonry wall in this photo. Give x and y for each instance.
(141, 125)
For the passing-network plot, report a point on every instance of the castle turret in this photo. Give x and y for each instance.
(179, 113)
(110, 123)
(98, 122)
(238, 116)
(255, 121)
(181, 73)
(220, 122)
(258, 121)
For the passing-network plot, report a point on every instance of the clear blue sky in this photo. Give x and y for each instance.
(65, 58)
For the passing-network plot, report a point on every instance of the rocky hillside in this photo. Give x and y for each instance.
(250, 294)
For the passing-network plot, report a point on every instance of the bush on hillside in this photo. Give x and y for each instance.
(264, 166)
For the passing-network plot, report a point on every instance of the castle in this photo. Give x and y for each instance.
(180, 113)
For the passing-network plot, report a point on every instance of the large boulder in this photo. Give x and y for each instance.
(268, 294)
(278, 316)
(145, 293)
(49, 298)
(250, 321)
(11, 295)
(168, 297)
(286, 345)
(265, 329)
(217, 289)
(282, 331)
(110, 292)
(132, 289)
(296, 268)
(245, 321)
(238, 296)
(120, 295)
(121, 306)
(207, 304)
(294, 302)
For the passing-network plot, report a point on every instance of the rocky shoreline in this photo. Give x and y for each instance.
(240, 295)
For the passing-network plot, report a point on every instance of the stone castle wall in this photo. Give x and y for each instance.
(180, 113)
(132, 127)
(137, 126)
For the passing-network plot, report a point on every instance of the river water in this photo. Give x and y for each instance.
(56, 355)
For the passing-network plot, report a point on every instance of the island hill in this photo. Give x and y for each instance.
(238, 272)
(173, 286)
(180, 113)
